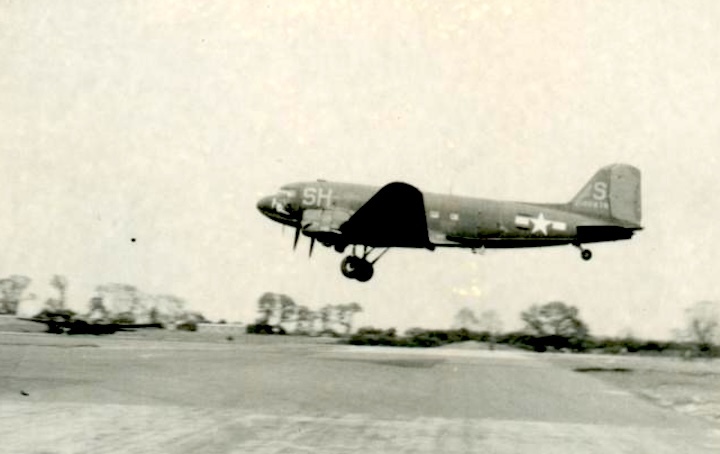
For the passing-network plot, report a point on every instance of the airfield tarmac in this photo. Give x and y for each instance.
(125, 393)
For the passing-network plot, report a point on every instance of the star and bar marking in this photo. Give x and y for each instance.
(539, 224)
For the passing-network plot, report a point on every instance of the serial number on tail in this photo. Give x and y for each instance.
(595, 204)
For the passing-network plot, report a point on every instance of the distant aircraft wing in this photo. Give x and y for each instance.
(122, 327)
(53, 326)
(84, 327)
(393, 217)
(43, 320)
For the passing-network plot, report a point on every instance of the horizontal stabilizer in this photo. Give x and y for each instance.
(598, 233)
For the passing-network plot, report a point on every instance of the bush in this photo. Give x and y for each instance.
(187, 326)
(542, 344)
(60, 314)
(414, 337)
(264, 328)
(704, 350)
(374, 336)
(127, 318)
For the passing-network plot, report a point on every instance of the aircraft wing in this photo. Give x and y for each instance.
(84, 327)
(124, 327)
(44, 320)
(393, 217)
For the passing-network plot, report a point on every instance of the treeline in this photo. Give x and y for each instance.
(423, 338)
(279, 314)
(112, 303)
(557, 327)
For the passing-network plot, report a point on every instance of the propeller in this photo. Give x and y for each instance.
(297, 237)
(298, 230)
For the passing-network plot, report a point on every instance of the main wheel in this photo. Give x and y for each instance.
(586, 254)
(365, 271)
(356, 268)
(349, 266)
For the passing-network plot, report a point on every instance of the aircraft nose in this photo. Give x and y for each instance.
(265, 204)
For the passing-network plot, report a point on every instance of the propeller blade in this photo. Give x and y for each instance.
(297, 238)
(312, 245)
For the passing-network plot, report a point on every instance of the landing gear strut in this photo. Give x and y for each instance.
(360, 268)
(586, 254)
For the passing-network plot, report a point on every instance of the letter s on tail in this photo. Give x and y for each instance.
(613, 193)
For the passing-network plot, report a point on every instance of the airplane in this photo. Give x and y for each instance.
(66, 322)
(399, 215)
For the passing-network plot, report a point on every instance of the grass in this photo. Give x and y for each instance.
(687, 386)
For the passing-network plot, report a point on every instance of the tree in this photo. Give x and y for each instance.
(11, 293)
(274, 310)
(287, 309)
(465, 319)
(119, 298)
(126, 302)
(60, 283)
(703, 324)
(190, 320)
(164, 309)
(554, 319)
(326, 318)
(305, 318)
(491, 323)
(266, 308)
(97, 308)
(345, 313)
(557, 324)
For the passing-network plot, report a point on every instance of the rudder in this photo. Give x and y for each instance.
(612, 193)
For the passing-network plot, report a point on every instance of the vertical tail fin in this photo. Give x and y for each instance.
(613, 193)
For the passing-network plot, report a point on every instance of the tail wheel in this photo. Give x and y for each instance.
(586, 254)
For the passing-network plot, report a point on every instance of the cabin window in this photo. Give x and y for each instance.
(454, 216)
(434, 214)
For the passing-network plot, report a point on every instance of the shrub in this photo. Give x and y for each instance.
(187, 326)
(264, 328)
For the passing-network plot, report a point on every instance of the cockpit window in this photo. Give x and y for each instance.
(288, 192)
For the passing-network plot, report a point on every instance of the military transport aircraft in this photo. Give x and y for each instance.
(66, 322)
(608, 208)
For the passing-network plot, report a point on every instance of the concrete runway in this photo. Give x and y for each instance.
(112, 394)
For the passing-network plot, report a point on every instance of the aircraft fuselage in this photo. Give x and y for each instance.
(398, 215)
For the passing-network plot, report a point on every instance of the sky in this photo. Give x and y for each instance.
(165, 121)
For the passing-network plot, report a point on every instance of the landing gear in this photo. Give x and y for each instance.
(586, 254)
(360, 268)
(356, 268)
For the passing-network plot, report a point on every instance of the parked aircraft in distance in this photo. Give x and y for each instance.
(607, 208)
(65, 322)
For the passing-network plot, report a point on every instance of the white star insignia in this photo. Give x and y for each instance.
(540, 224)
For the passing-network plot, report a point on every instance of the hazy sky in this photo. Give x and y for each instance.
(165, 121)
